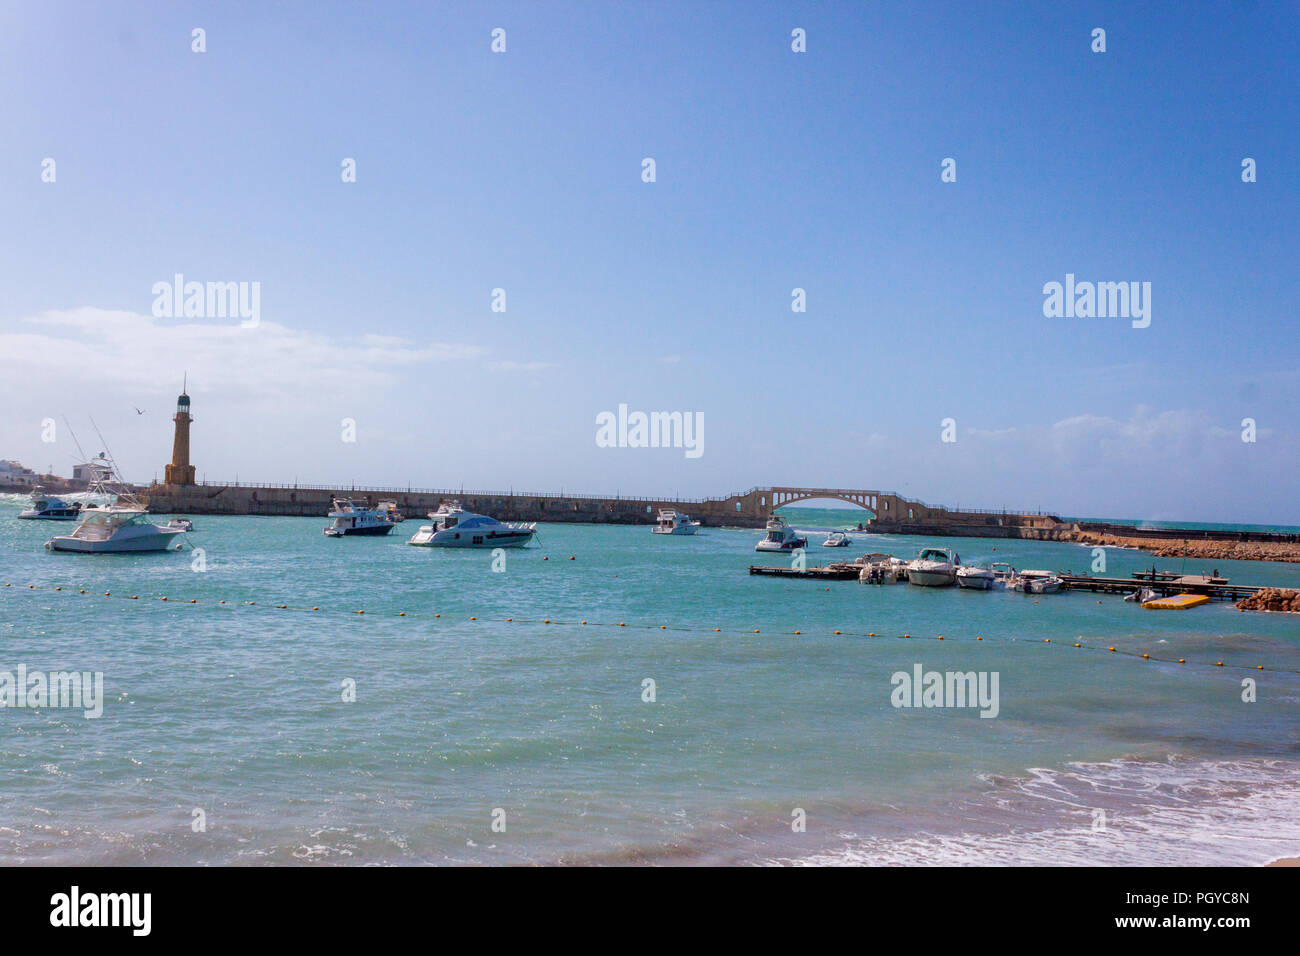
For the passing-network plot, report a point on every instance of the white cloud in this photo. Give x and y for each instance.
(512, 366)
(105, 347)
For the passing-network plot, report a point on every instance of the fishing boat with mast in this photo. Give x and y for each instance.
(119, 527)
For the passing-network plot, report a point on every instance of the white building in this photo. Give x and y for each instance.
(12, 473)
(90, 471)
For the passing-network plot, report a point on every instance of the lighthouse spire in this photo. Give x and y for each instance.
(180, 471)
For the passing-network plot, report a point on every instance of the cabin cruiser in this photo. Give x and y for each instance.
(117, 528)
(454, 527)
(674, 522)
(388, 509)
(880, 568)
(837, 539)
(1037, 582)
(975, 579)
(1003, 575)
(49, 508)
(182, 524)
(780, 537)
(934, 568)
(351, 518)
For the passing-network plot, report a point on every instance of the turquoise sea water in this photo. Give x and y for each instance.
(237, 710)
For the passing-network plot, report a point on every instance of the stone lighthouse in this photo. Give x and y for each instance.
(180, 471)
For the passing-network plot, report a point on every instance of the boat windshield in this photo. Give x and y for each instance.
(934, 554)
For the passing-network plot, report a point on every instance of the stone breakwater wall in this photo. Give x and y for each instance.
(1272, 599)
(1207, 549)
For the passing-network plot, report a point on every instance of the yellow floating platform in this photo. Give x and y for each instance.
(1178, 602)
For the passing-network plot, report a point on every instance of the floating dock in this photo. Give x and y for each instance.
(1179, 602)
(1216, 589)
(830, 572)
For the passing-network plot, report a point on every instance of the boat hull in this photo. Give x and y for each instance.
(164, 541)
(974, 582)
(445, 539)
(36, 516)
(370, 531)
(932, 577)
(677, 530)
(783, 547)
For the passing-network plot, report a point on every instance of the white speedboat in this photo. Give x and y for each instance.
(116, 529)
(49, 508)
(351, 518)
(837, 539)
(1004, 575)
(182, 524)
(880, 568)
(780, 537)
(934, 568)
(454, 527)
(1140, 596)
(674, 522)
(1037, 582)
(975, 579)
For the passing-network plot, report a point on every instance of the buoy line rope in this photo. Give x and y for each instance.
(1077, 644)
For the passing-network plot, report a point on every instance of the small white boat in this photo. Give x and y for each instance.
(837, 539)
(975, 579)
(117, 529)
(1037, 582)
(181, 524)
(351, 518)
(674, 522)
(49, 508)
(1004, 575)
(1141, 596)
(934, 568)
(880, 568)
(454, 527)
(780, 537)
(388, 509)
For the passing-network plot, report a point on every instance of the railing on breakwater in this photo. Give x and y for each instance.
(1187, 534)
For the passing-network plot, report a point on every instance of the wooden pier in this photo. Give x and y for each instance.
(831, 572)
(1166, 585)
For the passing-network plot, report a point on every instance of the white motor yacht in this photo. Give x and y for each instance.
(388, 509)
(49, 508)
(351, 518)
(674, 522)
(115, 529)
(1037, 582)
(454, 527)
(837, 539)
(934, 568)
(975, 579)
(780, 537)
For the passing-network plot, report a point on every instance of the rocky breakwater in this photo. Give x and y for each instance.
(1272, 599)
(1209, 550)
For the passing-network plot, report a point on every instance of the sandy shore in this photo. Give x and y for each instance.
(1200, 549)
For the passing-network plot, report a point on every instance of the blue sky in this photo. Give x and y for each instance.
(775, 170)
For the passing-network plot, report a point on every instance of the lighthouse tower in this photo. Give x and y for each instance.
(180, 471)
